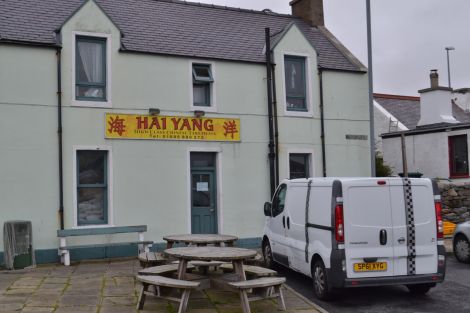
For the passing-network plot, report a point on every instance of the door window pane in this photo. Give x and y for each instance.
(295, 83)
(92, 187)
(202, 159)
(201, 186)
(299, 165)
(458, 155)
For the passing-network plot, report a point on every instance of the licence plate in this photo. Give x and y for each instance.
(370, 267)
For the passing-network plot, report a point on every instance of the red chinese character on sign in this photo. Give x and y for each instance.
(230, 128)
(117, 125)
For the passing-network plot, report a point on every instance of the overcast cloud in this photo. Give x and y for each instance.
(409, 37)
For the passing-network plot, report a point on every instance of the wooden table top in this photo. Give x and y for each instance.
(211, 253)
(200, 238)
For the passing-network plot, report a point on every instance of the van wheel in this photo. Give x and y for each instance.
(320, 281)
(419, 289)
(267, 254)
(462, 249)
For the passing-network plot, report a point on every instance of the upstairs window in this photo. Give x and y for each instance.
(90, 72)
(295, 81)
(458, 156)
(299, 165)
(202, 85)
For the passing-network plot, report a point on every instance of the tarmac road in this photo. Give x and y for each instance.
(452, 296)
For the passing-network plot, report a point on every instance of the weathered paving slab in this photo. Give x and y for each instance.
(110, 287)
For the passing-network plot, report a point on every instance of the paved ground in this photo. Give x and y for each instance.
(109, 287)
(450, 296)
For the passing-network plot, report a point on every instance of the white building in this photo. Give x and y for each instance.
(435, 129)
(164, 116)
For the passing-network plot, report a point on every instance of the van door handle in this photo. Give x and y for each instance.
(284, 221)
(288, 222)
(383, 237)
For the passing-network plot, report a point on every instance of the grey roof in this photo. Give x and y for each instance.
(407, 109)
(172, 27)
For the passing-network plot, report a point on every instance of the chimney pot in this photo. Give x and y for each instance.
(311, 11)
(434, 79)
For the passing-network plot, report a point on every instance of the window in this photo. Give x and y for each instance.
(279, 200)
(458, 156)
(90, 68)
(92, 187)
(295, 81)
(299, 165)
(202, 84)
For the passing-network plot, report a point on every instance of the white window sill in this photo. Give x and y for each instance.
(212, 109)
(298, 113)
(92, 104)
(93, 226)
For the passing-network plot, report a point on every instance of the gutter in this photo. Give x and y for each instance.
(59, 134)
(322, 123)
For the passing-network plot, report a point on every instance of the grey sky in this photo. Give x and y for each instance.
(409, 37)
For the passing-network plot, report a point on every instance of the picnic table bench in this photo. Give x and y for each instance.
(262, 289)
(164, 286)
(64, 249)
(251, 270)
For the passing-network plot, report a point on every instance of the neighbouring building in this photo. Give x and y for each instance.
(157, 112)
(435, 126)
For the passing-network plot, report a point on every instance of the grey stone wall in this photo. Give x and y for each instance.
(455, 201)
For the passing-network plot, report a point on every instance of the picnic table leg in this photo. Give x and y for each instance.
(182, 266)
(244, 301)
(238, 268)
(169, 244)
(280, 298)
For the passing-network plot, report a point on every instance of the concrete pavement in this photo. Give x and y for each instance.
(109, 287)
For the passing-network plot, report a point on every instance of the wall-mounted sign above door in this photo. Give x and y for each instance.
(132, 126)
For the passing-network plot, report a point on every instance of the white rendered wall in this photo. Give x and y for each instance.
(150, 178)
(426, 153)
(436, 107)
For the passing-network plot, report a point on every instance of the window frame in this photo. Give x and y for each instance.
(302, 61)
(96, 40)
(451, 158)
(109, 212)
(209, 82)
(85, 101)
(311, 163)
(308, 84)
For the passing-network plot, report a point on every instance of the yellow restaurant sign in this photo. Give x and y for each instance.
(132, 126)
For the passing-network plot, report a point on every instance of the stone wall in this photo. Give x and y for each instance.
(455, 201)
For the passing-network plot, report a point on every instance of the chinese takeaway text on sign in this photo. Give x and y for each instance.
(132, 126)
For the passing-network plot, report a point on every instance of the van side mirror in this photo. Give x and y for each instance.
(267, 208)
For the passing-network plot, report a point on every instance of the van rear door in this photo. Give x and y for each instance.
(420, 218)
(368, 228)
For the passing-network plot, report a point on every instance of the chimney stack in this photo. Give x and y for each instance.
(436, 104)
(434, 79)
(311, 11)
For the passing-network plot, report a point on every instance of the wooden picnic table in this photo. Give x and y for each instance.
(224, 254)
(200, 239)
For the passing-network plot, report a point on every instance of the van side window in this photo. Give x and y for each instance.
(279, 200)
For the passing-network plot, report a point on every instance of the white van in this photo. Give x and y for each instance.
(354, 232)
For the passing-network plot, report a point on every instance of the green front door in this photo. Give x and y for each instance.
(203, 193)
